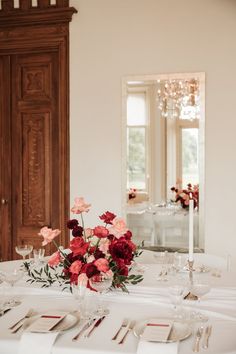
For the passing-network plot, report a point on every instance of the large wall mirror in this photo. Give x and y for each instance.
(163, 119)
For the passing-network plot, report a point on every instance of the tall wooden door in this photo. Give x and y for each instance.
(34, 122)
(30, 148)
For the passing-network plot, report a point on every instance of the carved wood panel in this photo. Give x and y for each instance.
(36, 162)
(35, 133)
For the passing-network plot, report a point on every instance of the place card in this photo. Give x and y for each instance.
(157, 330)
(47, 322)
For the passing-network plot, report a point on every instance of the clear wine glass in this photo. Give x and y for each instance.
(176, 292)
(39, 256)
(101, 283)
(24, 250)
(80, 292)
(200, 288)
(11, 277)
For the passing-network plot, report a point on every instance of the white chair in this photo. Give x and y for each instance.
(142, 226)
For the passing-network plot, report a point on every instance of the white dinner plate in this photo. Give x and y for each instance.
(179, 331)
(68, 322)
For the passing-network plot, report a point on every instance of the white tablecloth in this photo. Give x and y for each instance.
(147, 300)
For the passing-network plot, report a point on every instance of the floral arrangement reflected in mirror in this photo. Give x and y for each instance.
(183, 196)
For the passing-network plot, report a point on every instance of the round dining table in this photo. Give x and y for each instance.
(145, 301)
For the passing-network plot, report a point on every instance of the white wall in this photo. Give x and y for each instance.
(115, 38)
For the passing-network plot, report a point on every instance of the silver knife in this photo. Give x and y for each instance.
(96, 324)
(207, 334)
(86, 326)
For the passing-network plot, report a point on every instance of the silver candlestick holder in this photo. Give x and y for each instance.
(190, 296)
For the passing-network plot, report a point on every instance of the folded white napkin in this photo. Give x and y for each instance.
(37, 343)
(154, 347)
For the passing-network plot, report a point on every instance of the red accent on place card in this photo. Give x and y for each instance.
(46, 316)
(158, 324)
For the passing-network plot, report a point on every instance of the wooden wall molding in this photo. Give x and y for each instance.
(43, 14)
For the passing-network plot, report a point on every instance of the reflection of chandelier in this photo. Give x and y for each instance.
(178, 98)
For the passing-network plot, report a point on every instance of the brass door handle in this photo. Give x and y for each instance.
(4, 201)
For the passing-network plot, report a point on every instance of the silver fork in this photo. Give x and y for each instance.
(20, 323)
(124, 324)
(130, 328)
(197, 339)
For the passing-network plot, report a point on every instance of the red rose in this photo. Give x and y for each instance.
(122, 249)
(78, 246)
(100, 231)
(107, 217)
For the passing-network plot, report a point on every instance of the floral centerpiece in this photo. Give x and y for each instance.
(183, 196)
(105, 250)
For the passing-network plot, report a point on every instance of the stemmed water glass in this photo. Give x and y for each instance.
(80, 292)
(176, 292)
(200, 288)
(24, 250)
(11, 277)
(101, 283)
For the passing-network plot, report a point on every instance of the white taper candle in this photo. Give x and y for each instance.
(190, 244)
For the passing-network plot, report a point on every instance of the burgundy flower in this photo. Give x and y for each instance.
(107, 217)
(122, 249)
(72, 223)
(91, 270)
(77, 231)
(123, 269)
(128, 235)
(98, 254)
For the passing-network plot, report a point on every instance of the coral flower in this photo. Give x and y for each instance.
(54, 260)
(118, 227)
(48, 234)
(80, 206)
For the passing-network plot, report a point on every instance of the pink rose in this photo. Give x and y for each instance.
(104, 245)
(75, 267)
(100, 231)
(48, 234)
(102, 265)
(88, 232)
(54, 260)
(118, 227)
(80, 206)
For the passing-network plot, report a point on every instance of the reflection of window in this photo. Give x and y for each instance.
(137, 141)
(189, 166)
(182, 152)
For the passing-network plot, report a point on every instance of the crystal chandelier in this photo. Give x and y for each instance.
(178, 98)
